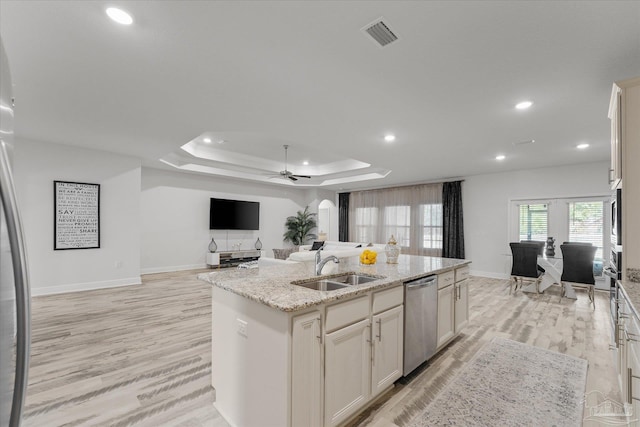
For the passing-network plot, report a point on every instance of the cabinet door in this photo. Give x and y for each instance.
(615, 172)
(388, 352)
(306, 370)
(461, 305)
(347, 371)
(633, 374)
(445, 315)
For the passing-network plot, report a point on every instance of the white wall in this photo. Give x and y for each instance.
(36, 166)
(486, 200)
(175, 217)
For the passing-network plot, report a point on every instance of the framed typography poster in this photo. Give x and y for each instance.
(76, 215)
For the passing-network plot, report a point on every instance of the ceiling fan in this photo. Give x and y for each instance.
(286, 174)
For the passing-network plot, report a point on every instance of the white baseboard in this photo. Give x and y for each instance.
(88, 286)
(488, 274)
(168, 269)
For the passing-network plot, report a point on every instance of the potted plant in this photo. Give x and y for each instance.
(299, 227)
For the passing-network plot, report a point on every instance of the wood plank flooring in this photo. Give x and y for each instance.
(141, 355)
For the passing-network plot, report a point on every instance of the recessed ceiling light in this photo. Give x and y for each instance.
(524, 105)
(501, 157)
(389, 137)
(306, 163)
(207, 140)
(582, 146)
(119, 15)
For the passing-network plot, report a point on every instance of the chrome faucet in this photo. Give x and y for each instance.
(320, 263)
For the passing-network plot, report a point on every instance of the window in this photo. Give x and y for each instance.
(533, 222)
(432, 226)
(366, 222)
(586, 224)
(397, 221)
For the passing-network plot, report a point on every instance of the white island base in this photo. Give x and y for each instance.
(313, 367)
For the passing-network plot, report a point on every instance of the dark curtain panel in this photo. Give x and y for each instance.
(343, 217)
(452, 224)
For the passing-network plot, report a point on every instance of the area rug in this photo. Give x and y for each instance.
(514, 384)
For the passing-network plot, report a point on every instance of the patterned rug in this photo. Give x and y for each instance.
(514, 384)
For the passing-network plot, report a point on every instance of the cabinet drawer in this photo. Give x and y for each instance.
(462, 273)
(445, 279)
(388, 298)
(345, 313)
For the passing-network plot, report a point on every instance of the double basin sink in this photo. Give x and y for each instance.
(336, 282)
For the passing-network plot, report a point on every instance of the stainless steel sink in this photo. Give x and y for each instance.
(353, 279)
(336, 282)
(322, 285)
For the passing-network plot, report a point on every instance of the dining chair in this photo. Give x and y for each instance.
(577, 267)
(525, 265)
(540, 244)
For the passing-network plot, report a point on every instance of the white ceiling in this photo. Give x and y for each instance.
(303, 73)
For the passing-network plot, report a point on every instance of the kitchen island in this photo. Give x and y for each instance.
(286, 355)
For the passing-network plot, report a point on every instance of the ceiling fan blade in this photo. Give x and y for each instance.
(302, 176)
(291, 177)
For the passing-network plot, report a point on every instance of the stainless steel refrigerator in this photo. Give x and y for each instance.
(15, 299)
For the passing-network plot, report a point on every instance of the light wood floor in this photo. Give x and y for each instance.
(141, 355)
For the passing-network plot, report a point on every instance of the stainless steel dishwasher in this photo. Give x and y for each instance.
(420, 321)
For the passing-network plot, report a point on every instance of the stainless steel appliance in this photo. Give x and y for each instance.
(420, 321)
(14, 288)
(614, 271)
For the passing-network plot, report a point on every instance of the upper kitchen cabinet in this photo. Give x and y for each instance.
(624, 112)
(615, 107)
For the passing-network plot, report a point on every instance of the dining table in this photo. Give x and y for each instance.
(553, 273)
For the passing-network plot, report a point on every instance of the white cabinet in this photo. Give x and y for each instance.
(387, 331)
(461, 308)
(624, 110)
(445, 314)
(306, 370)
(453, 304)
(615, 110)
(461, 305)
(347, 371)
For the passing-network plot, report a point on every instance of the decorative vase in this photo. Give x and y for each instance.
(213, 246)
(258, 244)
(551, 251)
(392, 250)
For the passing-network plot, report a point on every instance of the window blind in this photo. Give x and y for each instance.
(586, 224)
(533, 222)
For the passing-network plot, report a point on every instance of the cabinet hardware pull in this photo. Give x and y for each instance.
(379, 336)
(631, 337)
(630, 378)
(459, 292)
(319, 330)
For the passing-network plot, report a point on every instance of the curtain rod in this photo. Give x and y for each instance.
(401, 186)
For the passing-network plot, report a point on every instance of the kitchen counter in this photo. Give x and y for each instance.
(271, 285)
(632, 292)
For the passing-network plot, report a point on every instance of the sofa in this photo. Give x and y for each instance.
(339, 249)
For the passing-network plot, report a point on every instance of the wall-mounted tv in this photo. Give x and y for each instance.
(234, 215)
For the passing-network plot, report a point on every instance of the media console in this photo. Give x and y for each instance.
(231, 258)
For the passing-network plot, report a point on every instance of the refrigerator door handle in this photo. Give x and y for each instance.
(21, 281)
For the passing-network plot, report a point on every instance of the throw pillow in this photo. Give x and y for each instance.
(317, 245)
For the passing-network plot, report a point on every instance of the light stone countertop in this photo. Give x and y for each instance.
(271, 285)
(632, 291)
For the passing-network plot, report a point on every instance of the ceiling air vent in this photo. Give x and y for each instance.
(380, 32)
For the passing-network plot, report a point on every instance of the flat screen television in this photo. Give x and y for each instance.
(234, 215)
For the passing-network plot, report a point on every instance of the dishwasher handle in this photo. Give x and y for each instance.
(419, 283)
